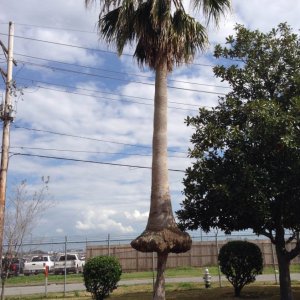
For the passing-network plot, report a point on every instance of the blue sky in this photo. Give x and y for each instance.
(81, 101)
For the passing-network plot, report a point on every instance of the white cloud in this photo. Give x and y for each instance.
(101, 219)
(97, 198)
(136, 215)
(263, 15)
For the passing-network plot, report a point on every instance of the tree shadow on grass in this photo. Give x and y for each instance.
(261, 292)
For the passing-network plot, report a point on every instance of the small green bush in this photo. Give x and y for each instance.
(240, 261)
(101, 275)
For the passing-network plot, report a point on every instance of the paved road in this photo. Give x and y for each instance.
(25, 290)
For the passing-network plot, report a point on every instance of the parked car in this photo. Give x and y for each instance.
(12, 266)
(72, 264)
(38, 264)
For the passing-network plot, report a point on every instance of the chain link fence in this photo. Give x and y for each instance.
(204, 251)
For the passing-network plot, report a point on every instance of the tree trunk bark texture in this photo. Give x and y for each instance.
(161, 234)
(159, 288)
(284, 274)
(161, 215)
(3, 288)
(237, 292)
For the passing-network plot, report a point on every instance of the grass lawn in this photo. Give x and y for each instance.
(174, 291)
(183, 291)
(192, 291)
(170, 273)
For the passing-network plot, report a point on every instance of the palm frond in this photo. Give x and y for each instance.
(117, 26)
(213, 10)
(108, 5)
(88, 2)
(188, 36)
(160, 11)
(160, 36)
(174, 44)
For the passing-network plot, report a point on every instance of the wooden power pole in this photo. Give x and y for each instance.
(6, 115)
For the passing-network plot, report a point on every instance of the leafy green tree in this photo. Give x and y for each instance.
(240, 261)
(101, 275)
(165, 36)
(247, 160)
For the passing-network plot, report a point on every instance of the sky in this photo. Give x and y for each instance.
(92, 112)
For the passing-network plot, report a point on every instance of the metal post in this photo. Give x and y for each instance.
(46, 280)
(86, 245)
(6, 118)
(274, 265)
(108, 244)
(65, 273)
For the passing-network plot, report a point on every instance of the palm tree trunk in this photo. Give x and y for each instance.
(160, 209)
(161, 234)
(159, 288)
(161, 215)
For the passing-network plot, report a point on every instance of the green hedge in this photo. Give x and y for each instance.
(240, 261)
(101, 275)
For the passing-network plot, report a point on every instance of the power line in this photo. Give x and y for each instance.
(119, 79)
(90, 161)
(99, 91)
(89, 152)
(110, 99)
(67, 45)
(99, 97)
(90, 49)
(87, 138)
(107, 98)
(121, 73)
(57, 28)
(76, 30)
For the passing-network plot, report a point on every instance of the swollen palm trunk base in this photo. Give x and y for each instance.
(168, 240)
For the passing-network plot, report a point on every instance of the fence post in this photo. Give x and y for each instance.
(86, 246)
(46, 271)
(137, 261)
(65, 273)
(274, 265)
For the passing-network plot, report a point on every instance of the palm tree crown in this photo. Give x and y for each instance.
(163, 33)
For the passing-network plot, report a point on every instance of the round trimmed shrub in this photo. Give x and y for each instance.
(240, 261)
(101, 275)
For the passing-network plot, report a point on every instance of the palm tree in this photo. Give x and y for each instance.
(165, 36)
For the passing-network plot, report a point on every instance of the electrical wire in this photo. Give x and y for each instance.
(117, 72)
(90, 161)
(86, 138)
(120, 79)
(83, 89)
(56, 28)
(86, 48)
(113, 99)
(89, 152)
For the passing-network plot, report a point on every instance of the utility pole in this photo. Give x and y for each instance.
(6, 115)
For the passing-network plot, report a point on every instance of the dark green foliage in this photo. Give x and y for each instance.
(101, 275)
(240, 261)
(247, 154)
(246, 150)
